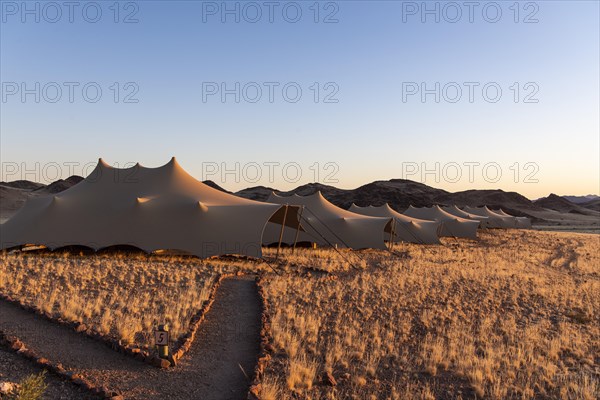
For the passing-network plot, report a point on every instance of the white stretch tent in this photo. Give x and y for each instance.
(495, 220)
(149, 208)
(483, 221)
(521, 222)
(406, 229)
(451, 225)
(328, 225)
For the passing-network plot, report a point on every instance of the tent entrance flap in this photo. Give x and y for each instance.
(287, 215)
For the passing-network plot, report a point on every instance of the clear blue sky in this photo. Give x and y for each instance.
(371, 57)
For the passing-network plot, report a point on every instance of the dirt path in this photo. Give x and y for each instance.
(227, 341)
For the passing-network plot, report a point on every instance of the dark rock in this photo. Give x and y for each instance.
(160, 363)
(254, 392)
(17, 345)
(44, 361)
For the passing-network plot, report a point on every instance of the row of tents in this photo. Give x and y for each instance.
(166, 208)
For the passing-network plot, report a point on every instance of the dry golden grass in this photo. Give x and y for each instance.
(323, 259)
(118, 294)
(513, 315)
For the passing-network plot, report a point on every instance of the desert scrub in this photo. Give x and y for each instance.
(513, 315)
(121, 295)
(324, 259)
(30, 388)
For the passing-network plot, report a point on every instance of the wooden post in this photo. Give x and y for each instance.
(281, 232)
(297, 229)
(393, 225)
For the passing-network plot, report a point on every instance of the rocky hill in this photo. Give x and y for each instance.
(58, 186)
(26, 185)
(215, 186)
(591, 205)
(559, 203)
(582, 199)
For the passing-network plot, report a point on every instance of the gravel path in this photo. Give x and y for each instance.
(227, 342)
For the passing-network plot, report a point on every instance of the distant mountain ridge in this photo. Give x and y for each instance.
(22, 184)
(592, 205)
(560, 203)
(582, 199)
(59, 185)
(400, 194)
(215, 186)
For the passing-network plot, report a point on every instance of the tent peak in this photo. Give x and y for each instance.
(103, 164)
(202, 206)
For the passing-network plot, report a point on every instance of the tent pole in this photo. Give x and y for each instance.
(281, 232)
(297, 230)
(394, 238)
(392, 233)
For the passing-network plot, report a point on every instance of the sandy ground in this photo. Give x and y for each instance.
(569, 228)
(554, 220)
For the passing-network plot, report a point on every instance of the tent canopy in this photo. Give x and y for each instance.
(149, 208)
(517, 222)
(454, 210)
(327, 224)
(451, 225)
(406, 229)
(494, 220)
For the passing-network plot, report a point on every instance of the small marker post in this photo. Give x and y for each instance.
(161, 339)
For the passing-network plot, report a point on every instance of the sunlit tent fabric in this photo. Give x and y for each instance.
(406, 229)
(149, 208)
(451, 225)
(454, 210)
(328, 225)
(521, 222)
(494, 220)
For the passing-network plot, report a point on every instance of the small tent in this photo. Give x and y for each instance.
(406, 229)
(149, 208)
(451, 225)
(328, 225)
(483, 221)
(495, 220)
(521, 222)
